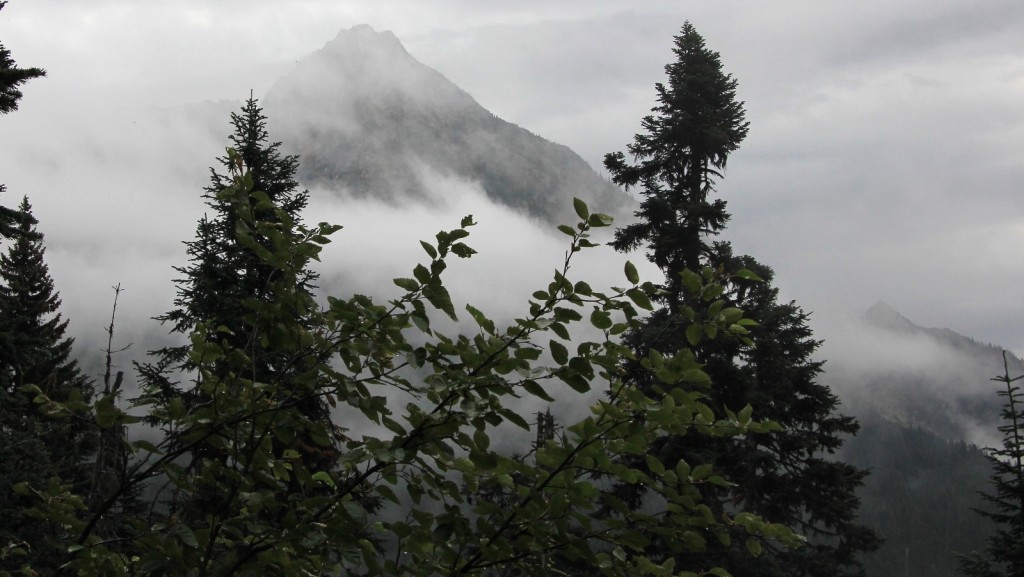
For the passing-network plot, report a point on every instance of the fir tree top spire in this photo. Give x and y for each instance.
(12, 77)
(30, 306)
(683, 148)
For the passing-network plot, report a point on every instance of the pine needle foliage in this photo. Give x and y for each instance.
(11, 79)
(39, 378)
(787, 475)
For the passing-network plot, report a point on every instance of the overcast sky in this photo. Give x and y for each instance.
(885, 159)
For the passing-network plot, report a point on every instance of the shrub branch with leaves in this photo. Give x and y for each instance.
(275, 515)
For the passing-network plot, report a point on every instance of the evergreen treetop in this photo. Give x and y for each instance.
(684, 147)
(222, 274)
(12, 77)
(39, 352)
(786, 475)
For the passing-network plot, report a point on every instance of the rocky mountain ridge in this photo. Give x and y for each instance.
(368, 120)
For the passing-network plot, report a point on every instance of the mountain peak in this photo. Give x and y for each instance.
(883, 315)
(365, 37)
(366, 117)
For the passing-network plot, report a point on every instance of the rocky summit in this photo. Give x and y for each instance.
(368, 120)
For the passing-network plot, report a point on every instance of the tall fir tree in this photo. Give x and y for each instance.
(11, 79)
(684, 147)
(1004, 556)
(786, 476)
(227, 282)
(36, 351)
(39, 352)
(222, 274)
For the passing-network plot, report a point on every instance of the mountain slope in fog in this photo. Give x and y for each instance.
(368, 120)
(930, 378)
(925, 402)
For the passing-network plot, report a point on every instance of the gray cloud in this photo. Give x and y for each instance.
(883, 160)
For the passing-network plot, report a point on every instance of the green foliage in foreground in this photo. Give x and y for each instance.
(423, 408)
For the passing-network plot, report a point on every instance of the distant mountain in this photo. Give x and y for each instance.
(924, 408)
(369, 120)
(941, 382)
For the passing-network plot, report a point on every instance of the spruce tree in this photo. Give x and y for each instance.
(36, 352)
(223, 275)
(11, 79)
(786, 476)
(684, 147)
(228, 282)
(39, 352)
(1004, 555)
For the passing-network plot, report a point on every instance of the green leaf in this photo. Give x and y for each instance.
(744, 415)
(559, 353)
(421, 273)
(407, 284)
(731, 315)
(691, 281)
(654, 464)
(601, 319)
(631, 275)
(536, 390)
(325, 478)
(693, 334)
(481, 439)
(748, 275)
(429, 248)
(581, 209)
(640, 298)
(560, 330)
(567, 229)
(695, 376)
(575, 380)
(463, 250)
(437, 295)
(483, 460)
(582, 288)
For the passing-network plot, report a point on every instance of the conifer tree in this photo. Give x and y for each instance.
(39, 352)
(227, 282)
(786, 476)
(223, 274)
(36, 352)
(1004, 555)
(11, 79)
